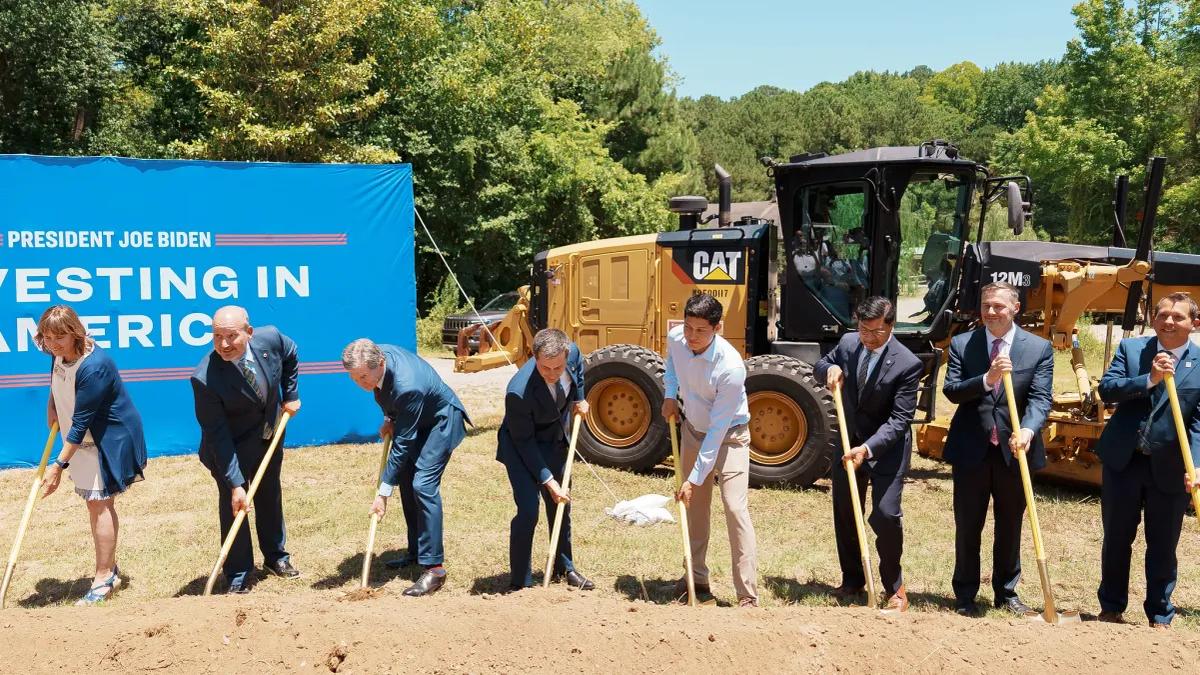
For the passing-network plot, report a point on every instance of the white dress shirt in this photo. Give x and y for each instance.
(1176, 354)
(1005, 347)
(712, 388)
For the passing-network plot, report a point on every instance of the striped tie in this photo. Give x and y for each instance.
(864, 363)
(251, 378)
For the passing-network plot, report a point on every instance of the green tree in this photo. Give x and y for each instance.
(957, 86)
(280, 80)
(1010, 90)
(56, 74)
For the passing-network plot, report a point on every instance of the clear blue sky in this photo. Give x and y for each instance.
(795, 44)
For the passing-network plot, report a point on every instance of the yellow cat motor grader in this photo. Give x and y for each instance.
(894, 222)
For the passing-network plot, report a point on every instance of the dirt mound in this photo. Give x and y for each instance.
(557, 630)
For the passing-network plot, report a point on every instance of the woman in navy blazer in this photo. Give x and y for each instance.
(102, 435)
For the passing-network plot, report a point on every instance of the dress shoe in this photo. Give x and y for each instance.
(577, 580)
(400, 563)
(842, 592)
(1109, 617)
(1160, 626)
(967, 610)
(1015, 606)
(679, 588)
(282, 568)
(428, 584)
(239, 585)
(898, 602)
(747, 603)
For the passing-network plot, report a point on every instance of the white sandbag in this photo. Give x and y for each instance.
(645, 510)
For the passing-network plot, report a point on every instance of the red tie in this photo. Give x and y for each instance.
(996, 352)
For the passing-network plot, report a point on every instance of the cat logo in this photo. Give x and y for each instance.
(717, 266)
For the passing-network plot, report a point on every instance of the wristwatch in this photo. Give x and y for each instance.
(61, 463)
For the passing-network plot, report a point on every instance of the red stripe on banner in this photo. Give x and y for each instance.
(159, 374)
(279, 243)
(280, 237)
(156, 370)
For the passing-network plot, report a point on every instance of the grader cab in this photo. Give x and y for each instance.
(907, 223)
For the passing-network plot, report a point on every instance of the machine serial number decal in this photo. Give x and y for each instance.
(1017, 279)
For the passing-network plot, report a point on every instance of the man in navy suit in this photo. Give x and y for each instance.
(426, 422)
(880, 398)
(981, 445)
(1143, 464)
(533, 448)
(241, 387)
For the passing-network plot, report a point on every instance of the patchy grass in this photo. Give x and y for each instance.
(169, 536)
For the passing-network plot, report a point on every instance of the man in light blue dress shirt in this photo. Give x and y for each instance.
(707, 374)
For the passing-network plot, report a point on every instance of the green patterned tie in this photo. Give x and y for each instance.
(251, 378)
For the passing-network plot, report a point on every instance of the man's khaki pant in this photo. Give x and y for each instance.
(733, 466)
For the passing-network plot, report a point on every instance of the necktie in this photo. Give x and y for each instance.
(996, 352)
(1156, 394)
(251, 378)
(864, 362)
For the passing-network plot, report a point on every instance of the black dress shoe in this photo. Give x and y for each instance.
(577, 580)
(400, 563)
(239, 587)
(967, 610)
(1015, 606)
(282, 568)
(428, 584)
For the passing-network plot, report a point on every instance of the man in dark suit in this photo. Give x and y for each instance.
(981, 445)
(533, 448)
(1143, 464)
(426, 422)
(880, 398)
(241, 388)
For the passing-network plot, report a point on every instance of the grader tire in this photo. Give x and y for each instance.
(793, 422)
(625, 427)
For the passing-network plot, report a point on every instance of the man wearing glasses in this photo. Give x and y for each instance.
(880, 397)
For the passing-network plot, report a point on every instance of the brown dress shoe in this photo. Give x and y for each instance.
(898, 602)
(1109, 617)
(842, 592)
(680, 588)
(1160, 626)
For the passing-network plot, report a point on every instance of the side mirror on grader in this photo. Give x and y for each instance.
(1018, 209)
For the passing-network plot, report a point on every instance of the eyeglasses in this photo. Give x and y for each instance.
(879, 332)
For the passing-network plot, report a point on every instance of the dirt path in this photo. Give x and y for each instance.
(541, 631)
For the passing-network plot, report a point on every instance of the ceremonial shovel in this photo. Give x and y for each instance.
(387, 446)
(872, 602)
(562, 506)
(1181, 430)
(1049, 615)
(683, 523)
(241, 515)
(37, 484)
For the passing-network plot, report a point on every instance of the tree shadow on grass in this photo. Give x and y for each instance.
(49, 592)
(350, 570)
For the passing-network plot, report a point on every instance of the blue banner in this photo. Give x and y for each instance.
(146, 250)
